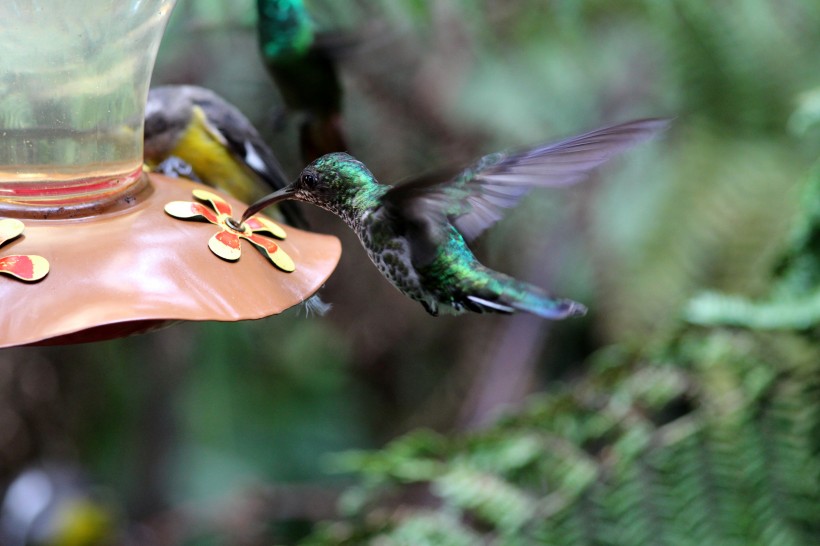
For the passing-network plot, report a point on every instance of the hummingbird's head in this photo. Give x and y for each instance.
(336, 182)
(331, 177)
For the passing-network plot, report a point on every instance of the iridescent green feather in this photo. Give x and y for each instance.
(455, 274)
(285, 29)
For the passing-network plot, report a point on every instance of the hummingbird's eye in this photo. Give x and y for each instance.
(309, 179)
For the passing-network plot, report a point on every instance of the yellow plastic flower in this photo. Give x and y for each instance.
(226, 243)
(24, 267)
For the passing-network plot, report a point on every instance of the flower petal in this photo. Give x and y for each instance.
(225, 244)
(10, 228)
(188, 209)
(260, 224)
(272, 251)
(27, 268)
(220, 205)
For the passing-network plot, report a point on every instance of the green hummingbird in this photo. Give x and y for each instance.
(417, 232)
(302, 63)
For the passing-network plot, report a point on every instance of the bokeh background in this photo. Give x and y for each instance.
(656, 419)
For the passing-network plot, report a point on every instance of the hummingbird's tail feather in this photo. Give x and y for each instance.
(504, 294)
(550, 308)
(487, 305)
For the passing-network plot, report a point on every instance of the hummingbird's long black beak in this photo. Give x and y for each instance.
(279, 195)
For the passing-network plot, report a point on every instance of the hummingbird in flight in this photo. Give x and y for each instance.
(417, 232)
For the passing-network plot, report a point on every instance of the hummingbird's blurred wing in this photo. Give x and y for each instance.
(475, 198)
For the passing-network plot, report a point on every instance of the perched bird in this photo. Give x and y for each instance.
(417, 233)
(302, 63)
(222, 148)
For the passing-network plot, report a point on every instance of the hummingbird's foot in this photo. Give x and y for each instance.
(430, 307)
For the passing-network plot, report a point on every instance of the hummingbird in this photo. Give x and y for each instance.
(302, 63)
(416, 233)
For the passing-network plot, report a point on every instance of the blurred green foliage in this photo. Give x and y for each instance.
(658, 419)
(711, 440)
(794, 299)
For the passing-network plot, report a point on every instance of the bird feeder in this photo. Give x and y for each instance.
(92, 247)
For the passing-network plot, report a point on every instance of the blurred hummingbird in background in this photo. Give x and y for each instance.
(302, 63)
(417, 232)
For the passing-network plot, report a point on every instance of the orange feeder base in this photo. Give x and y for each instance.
(136, 269)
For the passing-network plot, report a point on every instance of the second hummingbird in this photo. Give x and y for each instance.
(417, 232)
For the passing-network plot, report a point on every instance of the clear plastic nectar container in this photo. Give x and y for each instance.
(74, 78)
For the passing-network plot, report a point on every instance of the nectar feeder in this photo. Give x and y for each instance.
(104, 257)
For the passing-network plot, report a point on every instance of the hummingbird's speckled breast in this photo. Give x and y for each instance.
(390, 252)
